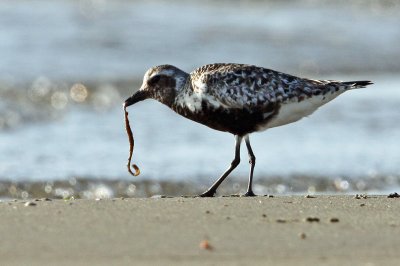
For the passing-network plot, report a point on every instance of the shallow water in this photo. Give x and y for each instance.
(61, 93)
(99, 40)
(353, 136)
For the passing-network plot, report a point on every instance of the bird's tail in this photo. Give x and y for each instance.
(356, 84)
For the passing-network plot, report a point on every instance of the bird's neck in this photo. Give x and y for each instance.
(169, 96)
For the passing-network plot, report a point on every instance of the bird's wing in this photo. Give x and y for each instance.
(249, 87)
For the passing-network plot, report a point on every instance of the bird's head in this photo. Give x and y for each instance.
(160, 83)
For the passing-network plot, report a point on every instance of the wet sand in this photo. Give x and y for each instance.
(284, 230)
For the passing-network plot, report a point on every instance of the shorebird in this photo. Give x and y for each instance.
(238, 98)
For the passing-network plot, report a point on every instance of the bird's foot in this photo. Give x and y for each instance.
(208, 194)
(249, 193)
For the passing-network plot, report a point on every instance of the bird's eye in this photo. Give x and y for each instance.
(154, 80)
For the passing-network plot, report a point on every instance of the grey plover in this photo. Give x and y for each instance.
(237, 98)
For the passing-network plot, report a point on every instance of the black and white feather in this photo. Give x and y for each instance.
(272, 98)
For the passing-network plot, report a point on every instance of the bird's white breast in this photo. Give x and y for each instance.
(190, 101)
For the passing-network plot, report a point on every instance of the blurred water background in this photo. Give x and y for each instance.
(66, 67)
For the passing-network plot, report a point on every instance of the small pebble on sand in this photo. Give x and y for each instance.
(312, 219)
(310, 197)
(360, 196)
(394, 195)
(205, 245)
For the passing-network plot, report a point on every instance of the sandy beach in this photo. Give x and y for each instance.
(67, 67)
(283, 230)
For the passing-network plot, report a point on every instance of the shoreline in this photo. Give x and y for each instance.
(96, 188)
(280, 230)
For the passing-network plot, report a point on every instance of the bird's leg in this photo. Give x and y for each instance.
(211, 191)
(252, 161)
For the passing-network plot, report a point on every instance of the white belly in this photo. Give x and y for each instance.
(293, 111)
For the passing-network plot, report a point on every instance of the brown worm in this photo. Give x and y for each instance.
(131, 145)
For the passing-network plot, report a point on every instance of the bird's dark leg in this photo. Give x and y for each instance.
(211, 191)
(252, 161)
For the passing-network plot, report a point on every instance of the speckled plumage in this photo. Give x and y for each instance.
(239, 99)
(223, 96)
(246, 86)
